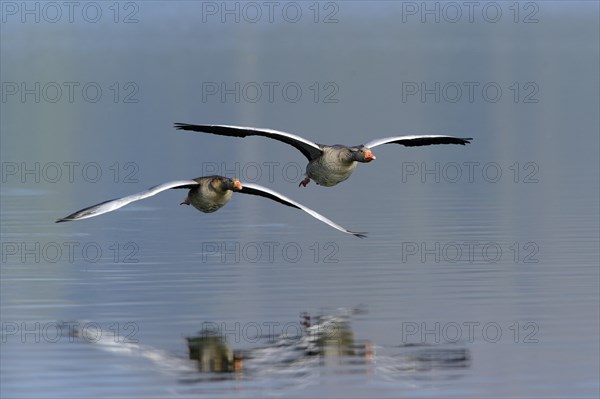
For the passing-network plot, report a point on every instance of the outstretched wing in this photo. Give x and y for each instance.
(414, 141)
(255, 189)
(309, 149)
(111, 205)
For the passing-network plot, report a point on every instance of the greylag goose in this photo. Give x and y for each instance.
(328, 164)
(207, 194)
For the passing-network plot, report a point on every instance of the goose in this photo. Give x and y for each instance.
(328, 164)
(207, 194)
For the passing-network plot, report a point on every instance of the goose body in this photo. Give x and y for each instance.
(328, 165)
(207, 194)
(335, 165)
(211, 193)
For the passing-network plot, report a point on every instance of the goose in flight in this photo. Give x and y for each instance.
(328, 164)
(207, 194)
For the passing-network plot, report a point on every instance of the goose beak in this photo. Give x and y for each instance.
(369, 155)
(237, 184)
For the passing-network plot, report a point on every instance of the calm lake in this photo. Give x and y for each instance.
(479, 276)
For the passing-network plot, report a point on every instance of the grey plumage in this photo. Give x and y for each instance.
(207, 194)
(328, 164)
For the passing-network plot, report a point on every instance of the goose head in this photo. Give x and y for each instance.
(220, 183)
(362, 154)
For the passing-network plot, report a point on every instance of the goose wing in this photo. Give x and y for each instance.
(414, 141)
(111, 205)
(309, 149)
(255, 189)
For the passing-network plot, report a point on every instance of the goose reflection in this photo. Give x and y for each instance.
(326, 342)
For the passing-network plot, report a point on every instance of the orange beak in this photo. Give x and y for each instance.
(369, 155)
(237, 185)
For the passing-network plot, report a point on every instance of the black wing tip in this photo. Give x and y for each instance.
(456, 140)
(182, 126)
(70, 218)
(359, 234)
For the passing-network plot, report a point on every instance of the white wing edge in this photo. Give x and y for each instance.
(275, 132)
(306, 209)
(111, 205)
(385, 140)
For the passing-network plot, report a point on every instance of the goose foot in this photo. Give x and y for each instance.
(304, 182)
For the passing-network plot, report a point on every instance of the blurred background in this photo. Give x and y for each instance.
(490, 249)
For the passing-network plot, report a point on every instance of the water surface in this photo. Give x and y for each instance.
(488, 250)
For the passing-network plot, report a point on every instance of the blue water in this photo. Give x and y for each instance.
(488, 250)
